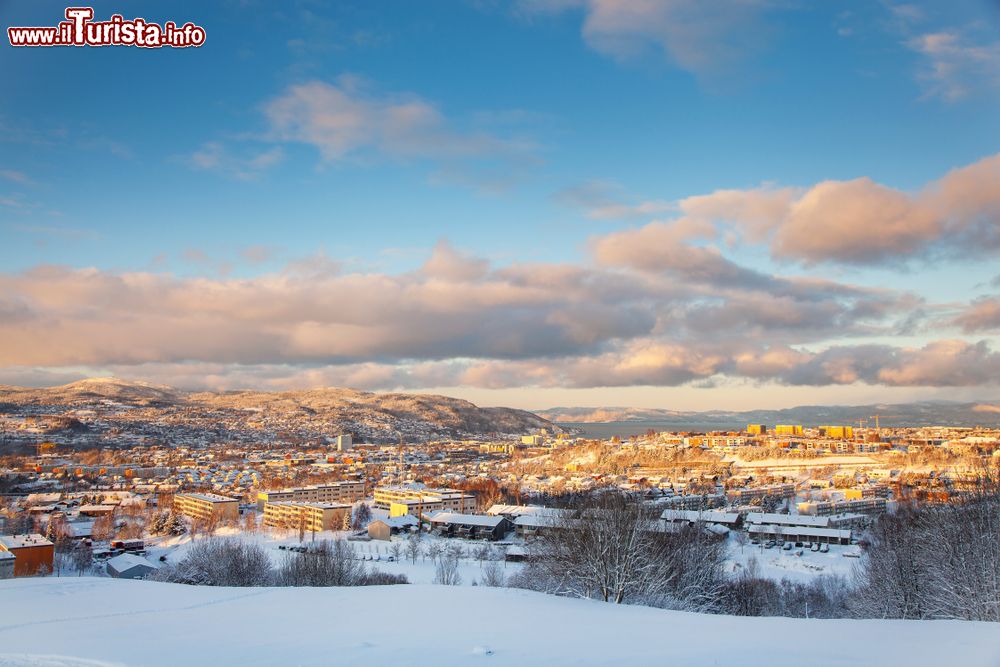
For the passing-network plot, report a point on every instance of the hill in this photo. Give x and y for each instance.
(99, 622)
(926, 413)
(308, 414)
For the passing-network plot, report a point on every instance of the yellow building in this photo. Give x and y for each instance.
(449, 499)
(207, 506)
(314, 517)
(788, 429)
(337, 492)
(414, 507)
(842, 432)
(756, 429)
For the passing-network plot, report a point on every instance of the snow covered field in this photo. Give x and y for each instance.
(73, 622)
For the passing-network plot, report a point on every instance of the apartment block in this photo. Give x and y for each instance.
(449, 499)
(310, 516)
(744, 496)
(336, 492)
(207, 506)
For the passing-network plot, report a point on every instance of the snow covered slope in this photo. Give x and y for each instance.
(91, 621)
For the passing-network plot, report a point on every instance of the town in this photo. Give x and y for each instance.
(800, 489)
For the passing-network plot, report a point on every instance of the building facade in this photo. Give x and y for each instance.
(33, 554)
(207, 506)
(314, 517)
(448, 499)
(336, 492)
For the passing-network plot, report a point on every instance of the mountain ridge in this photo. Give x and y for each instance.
(916, 413)
(371, 416)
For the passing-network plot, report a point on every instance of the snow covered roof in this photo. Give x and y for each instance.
(466, 519)
(398, 521)
(515, 510)
(123, 562)
(706, 516)
(22, 541)
(788, 519)
(210, 497)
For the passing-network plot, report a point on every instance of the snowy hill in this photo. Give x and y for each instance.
(97, 622)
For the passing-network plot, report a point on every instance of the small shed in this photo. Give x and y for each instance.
(130, 566)
(385, 528)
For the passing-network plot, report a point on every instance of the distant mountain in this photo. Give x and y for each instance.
(371, 417)
(927, 413)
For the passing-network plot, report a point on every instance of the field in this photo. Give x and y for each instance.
(97, 622)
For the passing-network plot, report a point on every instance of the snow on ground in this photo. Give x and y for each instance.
(96, 622)
(376, 552)
(776, 563)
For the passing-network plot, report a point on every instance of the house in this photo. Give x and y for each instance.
(33, 553)
(470, 526)
(678, 518)
(800, 533)
(130, 566)
(385, 528)
(530, 525)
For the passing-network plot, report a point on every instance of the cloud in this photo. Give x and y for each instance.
(246, 165)
(16, 177)
(460, 321)
(448, 264)
(347, 119)
(705, 39)
(956, 64)
(981, 315)
(854, 222)
(604, 201)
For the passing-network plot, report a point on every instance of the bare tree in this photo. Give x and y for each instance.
(493, 575)
(613, 549)
(222, 562)
(325, 563)
(446, 570)
(413, 548)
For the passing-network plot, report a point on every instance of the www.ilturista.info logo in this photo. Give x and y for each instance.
(79, 29)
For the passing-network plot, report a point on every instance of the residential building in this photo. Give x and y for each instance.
(207, 506)
(33, 554)
(744, 496)
(450, 499)
(470, 526)
(314, 517)
(335, 492)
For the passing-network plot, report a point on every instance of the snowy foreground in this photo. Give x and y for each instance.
(73, 622)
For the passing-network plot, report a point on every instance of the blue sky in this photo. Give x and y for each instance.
(317, 146)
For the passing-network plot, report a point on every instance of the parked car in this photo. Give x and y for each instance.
(825, 548)
(788, 546)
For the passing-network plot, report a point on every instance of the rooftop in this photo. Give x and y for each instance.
(22, 541)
